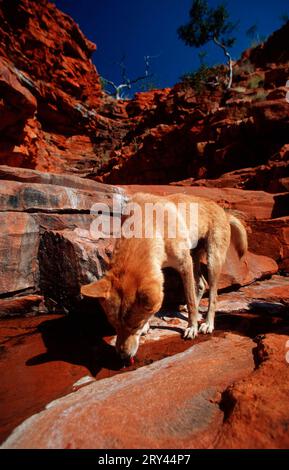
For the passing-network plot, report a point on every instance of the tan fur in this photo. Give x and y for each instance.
(238, 235)
(131, 292)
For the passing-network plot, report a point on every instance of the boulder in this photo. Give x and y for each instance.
(33, 203)
(67, 260)
(271, 237)
(113, 413)
(242, 272)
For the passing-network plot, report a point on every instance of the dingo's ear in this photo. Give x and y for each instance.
(97, 289)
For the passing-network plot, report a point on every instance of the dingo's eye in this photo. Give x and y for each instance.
(144, 300)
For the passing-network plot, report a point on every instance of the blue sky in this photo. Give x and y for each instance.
(136, 28)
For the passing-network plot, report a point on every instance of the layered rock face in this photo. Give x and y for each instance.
(50, 92)
(56, 118)
(46, 240)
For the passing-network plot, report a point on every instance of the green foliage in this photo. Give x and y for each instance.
(246, 68)
(198, 78)
(203, 77)
(256, 81)
(261, 95)
(207, 24)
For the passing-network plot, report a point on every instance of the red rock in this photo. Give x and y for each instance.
(251, 268)
(255, 204)
(63, 135)
(18, 104)
(52, 40)
(267, 112)
(267, 297)
(264, 177)
(154, 138)
(69, 259)
(21, 305)
(284, 152)
(54, 202)
(16, 196)
(193, 421)
(269, 53)
(18, 247)
(145, 101)
(271, 237)
(69, 341)
(70, 181)
(257, 406)
(36, 349)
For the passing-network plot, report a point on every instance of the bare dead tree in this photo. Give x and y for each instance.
(118, 90)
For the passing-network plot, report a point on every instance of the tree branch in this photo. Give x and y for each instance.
(127, 83)
(229, 60)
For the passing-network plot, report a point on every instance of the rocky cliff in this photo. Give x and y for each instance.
(214, 137)
(50, 92)
(54, 116)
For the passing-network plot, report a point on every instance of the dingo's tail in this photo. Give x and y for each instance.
(238, 235)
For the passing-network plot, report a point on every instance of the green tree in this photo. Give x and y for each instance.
(209, 24)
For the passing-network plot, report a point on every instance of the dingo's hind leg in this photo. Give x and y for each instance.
(217, 250)
(200, 280)
(185, 268)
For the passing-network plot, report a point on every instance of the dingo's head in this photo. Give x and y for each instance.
(127, 306)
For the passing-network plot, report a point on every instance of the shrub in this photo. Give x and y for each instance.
(256, 81)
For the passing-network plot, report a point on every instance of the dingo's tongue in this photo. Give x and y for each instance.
(128, 362)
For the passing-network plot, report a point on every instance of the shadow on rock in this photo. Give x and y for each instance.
(78, 339)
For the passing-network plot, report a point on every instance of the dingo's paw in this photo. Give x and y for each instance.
(191, 332)
(206, 328)
(199, 317)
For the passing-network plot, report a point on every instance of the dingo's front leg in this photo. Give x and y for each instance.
(186, 271)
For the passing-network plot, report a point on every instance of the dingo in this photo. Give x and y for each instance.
(131, 292)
